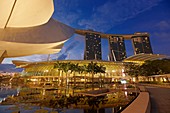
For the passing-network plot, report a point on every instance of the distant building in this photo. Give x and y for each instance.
(117, 48)
(141, 44)
(92, 47)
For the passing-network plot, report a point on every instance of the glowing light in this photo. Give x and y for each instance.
(45, 70)
(82, 80)
(113, 71)
(34, 80)
(123, 74)
(123, 81)
(126, 93)
(164, 79)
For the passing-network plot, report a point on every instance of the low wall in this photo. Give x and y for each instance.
(142, 88)
(165, 85)
(140, 105)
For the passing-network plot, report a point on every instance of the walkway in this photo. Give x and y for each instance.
(160, 99)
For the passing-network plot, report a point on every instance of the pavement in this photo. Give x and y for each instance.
(160, 99)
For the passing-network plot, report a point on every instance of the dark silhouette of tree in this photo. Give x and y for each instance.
(133, 70)
(155, 67)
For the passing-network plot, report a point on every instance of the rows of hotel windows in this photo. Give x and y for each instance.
(93, 47)
(141, 45)
(116, 47)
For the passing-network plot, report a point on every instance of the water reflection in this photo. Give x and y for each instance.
(32, 98)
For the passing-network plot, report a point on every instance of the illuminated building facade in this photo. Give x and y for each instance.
(117, 48)
(92, 47)
(141, 44)
(40, 71)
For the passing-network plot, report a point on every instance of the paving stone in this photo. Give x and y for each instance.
(160, 99)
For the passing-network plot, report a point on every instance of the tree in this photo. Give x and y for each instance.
(59, 66)
(133, 70)
(155, 67)
(66, 67)
(74, 69)
(101, 69)
(93, 68)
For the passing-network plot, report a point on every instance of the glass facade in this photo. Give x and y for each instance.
(141, 45)
(45, 72)
(92, 47)
(117, 48)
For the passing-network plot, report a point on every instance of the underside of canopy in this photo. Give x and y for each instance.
(25, 13)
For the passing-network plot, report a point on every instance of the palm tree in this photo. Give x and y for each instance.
(81, 69)
(93, 68)
(101, 69)
(74, 69)
(59, 66)
(67, 67)
(84, 68)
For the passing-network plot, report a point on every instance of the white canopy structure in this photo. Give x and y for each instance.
(25, 13)
(26, 28)
(141, 58)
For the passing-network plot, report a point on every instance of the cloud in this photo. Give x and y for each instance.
(62, 57)
(64, 13)
(32, 58)
(112, 13)
(72, 48)
(163, 36)
(160, 31)
(163, 25)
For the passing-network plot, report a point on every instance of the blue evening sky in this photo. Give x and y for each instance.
(111, 16)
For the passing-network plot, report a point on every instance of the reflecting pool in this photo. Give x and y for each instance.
(48, 98)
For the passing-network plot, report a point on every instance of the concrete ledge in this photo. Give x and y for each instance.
(142, 88)
(157, 85)
(140, 105)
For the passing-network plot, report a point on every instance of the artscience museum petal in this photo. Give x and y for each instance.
(25, 13)
(26, 28)
(51, 32)
(43, 39)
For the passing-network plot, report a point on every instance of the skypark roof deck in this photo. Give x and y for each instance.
(126, 36)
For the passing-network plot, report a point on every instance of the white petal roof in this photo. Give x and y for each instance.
(51, 32)
(25, 13)
(43, 39)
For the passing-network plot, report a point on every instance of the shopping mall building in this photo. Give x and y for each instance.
(44, 72)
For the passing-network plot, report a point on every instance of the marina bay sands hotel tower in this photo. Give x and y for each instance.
(117, 50)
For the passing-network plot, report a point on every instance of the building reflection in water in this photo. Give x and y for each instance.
(109, 100)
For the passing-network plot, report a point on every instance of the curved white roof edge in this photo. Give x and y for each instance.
(144, 57)
(24, 49)
(51, 32)
(25, 13)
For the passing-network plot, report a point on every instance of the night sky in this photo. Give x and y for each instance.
(115, 17)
